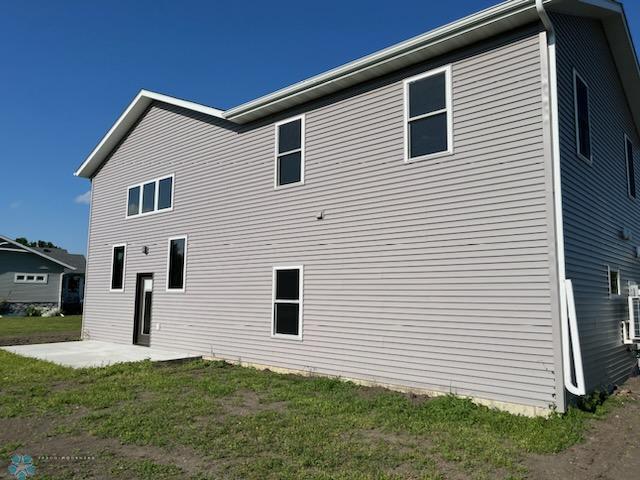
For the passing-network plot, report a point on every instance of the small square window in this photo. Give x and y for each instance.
(20, 277)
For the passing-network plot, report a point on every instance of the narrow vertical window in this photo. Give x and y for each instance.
(583, 120)
(133, 204)
(287, 301)
(290, 152)
(117, 267)
(614, 281)
(165, 193)
(428, 121)
(176, 263)
(631, 169)
(148, 197)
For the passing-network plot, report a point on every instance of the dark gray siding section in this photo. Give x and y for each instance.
(433, 275)
(11, 263)
(595, 202)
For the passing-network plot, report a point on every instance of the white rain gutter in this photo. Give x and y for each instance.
(568, 320)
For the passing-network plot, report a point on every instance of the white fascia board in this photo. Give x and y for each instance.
(35, 252)
(126, 121)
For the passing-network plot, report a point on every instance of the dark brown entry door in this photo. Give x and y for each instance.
(144, 298)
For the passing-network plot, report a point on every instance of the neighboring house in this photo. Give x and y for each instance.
(409, 219)
(72, 280)
(42, 277)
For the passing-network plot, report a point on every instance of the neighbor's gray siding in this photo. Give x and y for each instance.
(434, 274)
(595, 202)
(11, 263)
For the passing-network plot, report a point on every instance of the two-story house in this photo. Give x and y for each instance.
(457, 213)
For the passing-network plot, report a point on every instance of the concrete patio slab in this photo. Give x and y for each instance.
(92, 353)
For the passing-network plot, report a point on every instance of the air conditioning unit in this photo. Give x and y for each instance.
(631, 326)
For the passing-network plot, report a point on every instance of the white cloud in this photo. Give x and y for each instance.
(84, 199)
(14, 205)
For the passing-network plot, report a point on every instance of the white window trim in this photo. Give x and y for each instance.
(42, 282)
(609, 270)
(155, 200)
(300, 302)
(628, 141)
(448, 109)
(124, 267)
(184, 266)
(577, 76)
(302, 119)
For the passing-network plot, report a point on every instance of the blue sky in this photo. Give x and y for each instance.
(70, 67)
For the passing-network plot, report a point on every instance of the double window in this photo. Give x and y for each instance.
(150, 197)
(631, 170)
(31, 278)
(582, 117)
(118, 261)
(176, 264)
(289, 152)
(287, 302)
(428, 119)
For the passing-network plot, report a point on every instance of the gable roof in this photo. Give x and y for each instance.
(7, 244)
(468, 30)
(74, 259)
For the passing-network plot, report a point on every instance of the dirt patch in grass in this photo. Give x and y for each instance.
(44, 337)
(247, 402)
(611, 450)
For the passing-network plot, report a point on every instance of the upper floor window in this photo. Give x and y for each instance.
(428, 118)
(150, 197)
(287, 302)
(31, 278)
(118, 260)
(631, 170)
(290, 152)
(176, 264)
(583, 120)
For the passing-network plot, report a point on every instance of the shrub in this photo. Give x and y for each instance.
(33, 311)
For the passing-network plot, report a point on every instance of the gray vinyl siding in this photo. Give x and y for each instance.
(434, 274)
(595, 202)
(12, 263)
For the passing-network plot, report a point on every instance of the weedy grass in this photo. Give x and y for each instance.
(245, 423)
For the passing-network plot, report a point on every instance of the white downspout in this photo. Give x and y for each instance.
(568, 321)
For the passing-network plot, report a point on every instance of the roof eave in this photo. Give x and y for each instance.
(127, 119)
(31, 250)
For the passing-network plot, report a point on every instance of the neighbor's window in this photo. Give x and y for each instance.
(31, 278)
(614, 281)
(583, 121)
(117, 267)
(631, 170)
(149, 197)
(290, 152)
(287, 301)
(176, 263)
(428, 114)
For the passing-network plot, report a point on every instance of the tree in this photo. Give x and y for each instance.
(40, 243)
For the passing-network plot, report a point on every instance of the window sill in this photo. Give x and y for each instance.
(147, 214)
(282, 336)
(588, 161)
(431, 156)
(288, 185)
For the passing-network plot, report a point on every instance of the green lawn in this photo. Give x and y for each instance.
(209, 420)
(13, 326)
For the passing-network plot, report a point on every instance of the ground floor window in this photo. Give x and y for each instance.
(287, 301)
(30, 278)
(176, 264)
(614, 281)
(118, 260)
